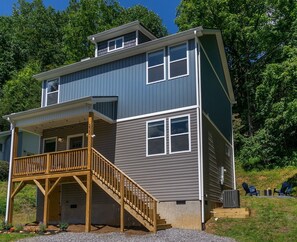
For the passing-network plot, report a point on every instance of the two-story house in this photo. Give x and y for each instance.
(139, 134)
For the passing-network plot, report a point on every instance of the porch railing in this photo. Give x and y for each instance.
(61, 161)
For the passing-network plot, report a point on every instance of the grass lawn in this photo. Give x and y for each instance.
(14, 237)
(272, 218)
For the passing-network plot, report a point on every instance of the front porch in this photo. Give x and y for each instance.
(84, 166)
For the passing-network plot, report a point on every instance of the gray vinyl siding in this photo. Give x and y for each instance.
(168, 177)
(104, 141)
(215, 103)
(129, 41)
(126, 79)
(142, 38)
(215, 156)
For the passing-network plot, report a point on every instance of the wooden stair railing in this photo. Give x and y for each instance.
(138, 202)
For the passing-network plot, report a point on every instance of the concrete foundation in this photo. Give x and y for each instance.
(185, 214)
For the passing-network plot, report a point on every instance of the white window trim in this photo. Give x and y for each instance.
(189, 134)
(56, 140)
(73, 136)
(164, 69)
(46, 90)
(169, 62)
(152, 121)
(115, 40)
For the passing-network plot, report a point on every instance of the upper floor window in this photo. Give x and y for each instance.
(178, 60)
(52, 92)
(155, 66)
(179, 134)
(115, 44)
(156, 137)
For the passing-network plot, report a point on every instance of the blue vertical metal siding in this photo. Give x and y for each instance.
(142, 38)
(210, 45)
(129, 41)
(214, 100)
(126, 79)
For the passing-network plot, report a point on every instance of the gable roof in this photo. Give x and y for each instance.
(121, 30)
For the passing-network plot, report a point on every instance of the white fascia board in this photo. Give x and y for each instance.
(113, 56)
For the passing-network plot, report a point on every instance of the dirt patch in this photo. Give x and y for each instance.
(79, 228)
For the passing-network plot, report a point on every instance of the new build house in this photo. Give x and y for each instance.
(139, 134)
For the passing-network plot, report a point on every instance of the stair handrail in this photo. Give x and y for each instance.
(119, 170)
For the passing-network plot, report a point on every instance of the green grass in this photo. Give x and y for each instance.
(24, 204)
(272, 219)
(14, 237)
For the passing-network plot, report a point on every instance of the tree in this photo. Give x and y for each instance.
(37, 33)
(84, 18)
(148, 18)
(21, 93)
(255, 35)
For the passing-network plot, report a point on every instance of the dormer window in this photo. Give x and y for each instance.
(52, 92)
(115, 44)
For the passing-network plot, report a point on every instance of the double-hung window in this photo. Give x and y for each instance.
(115, 44)
(155, 66)
(179, 134)
(52, 92)
(156, 133)
(178, 60)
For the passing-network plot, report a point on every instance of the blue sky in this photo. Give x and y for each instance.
(166, 9)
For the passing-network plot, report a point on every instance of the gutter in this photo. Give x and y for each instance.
(200, 135)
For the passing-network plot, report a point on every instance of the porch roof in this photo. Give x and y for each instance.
(61, 114)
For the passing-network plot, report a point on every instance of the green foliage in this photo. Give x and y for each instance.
(22, 92)
(148, 18)
(260, 43)
(63, 226)
(18, 227)
(42, 228)
(4, 168)
(6, 226)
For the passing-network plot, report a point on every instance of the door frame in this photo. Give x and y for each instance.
(56, 140)
(74, 136)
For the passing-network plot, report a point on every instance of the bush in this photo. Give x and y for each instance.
(4, 169)
(63, 226)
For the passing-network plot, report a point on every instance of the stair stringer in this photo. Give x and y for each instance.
(127, 207)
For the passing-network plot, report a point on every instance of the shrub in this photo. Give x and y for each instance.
(42, 228)
(4, 168)
(63, 226)
(6, 226)
(18, 228)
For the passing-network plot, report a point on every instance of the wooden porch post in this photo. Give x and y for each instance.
(46, 202)
(122, 222)
(13, 155)
(89, 176)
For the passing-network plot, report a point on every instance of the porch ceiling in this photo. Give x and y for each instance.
(62, 114)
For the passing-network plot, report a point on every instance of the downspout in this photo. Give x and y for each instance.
(12, 128)
(200, 135)
(233, 156)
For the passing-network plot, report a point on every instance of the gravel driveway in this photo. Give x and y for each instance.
(169, 235)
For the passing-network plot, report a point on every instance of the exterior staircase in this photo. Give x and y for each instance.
(134, 199)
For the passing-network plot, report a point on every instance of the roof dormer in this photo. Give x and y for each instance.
(122, 37)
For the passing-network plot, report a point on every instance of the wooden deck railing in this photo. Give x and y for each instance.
(51, 162)
(127, 189)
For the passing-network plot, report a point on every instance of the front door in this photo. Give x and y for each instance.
(49, 145)
(75, 141)
(55, 205)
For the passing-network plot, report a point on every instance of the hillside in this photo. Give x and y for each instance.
(272, 218)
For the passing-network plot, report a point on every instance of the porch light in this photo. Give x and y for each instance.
(60, 139)
(93, 135)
